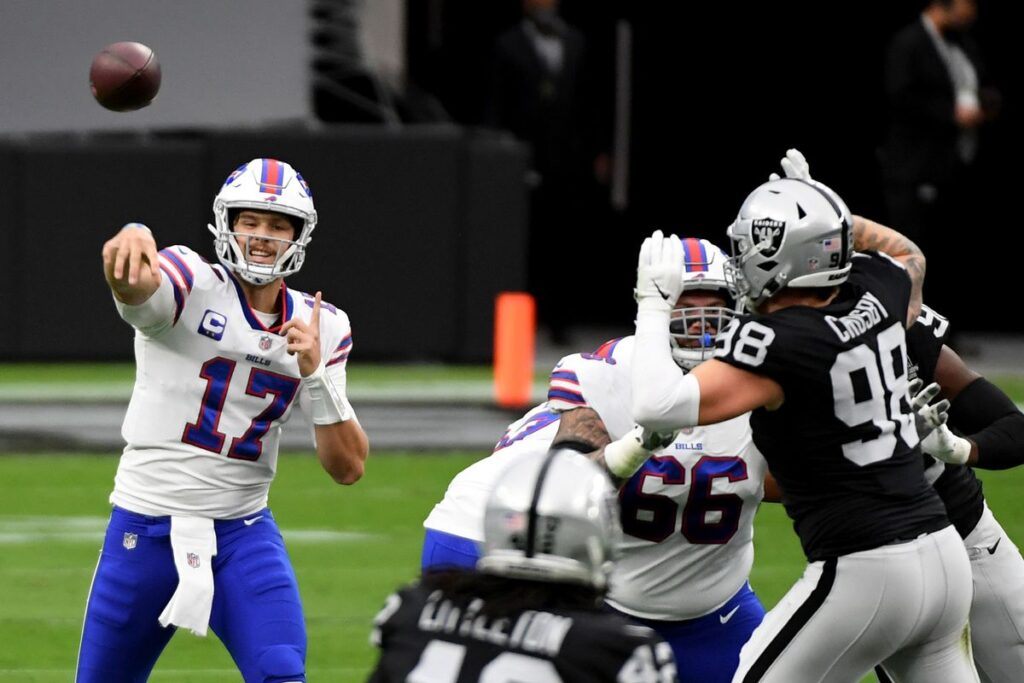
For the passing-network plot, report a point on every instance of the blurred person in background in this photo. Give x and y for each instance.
(532, 611)
(939, 100)
(223, 352)
(540, 92)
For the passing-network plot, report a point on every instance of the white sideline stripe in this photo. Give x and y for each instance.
(17, 530)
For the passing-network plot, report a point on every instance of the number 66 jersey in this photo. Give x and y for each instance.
(687, 513)
(214, 383)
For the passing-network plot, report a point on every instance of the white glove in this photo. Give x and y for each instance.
(624, 456)
(936, 438)
(659, 272)
(946, 446)
(928, 417)
(794, 165)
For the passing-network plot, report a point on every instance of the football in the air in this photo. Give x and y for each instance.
(125, 76)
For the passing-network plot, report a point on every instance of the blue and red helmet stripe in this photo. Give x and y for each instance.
(695, 254)
(271, 176)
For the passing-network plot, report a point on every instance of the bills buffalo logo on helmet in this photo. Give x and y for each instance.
(768, 234)
(234, 174)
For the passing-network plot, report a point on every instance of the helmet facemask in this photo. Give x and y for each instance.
(263, 185)
(692, 329)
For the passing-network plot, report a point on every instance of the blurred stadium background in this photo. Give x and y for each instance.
(381, 105)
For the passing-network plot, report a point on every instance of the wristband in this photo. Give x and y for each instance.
(327, 404)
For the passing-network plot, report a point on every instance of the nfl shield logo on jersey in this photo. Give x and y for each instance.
(130, 541)
(193, 560)
(265, 342)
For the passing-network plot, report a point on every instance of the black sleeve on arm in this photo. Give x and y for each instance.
(989, 418)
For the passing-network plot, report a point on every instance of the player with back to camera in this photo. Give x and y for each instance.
(687, 509)
(995, 440)
(223, 352)
(821, 361)
(532, 611)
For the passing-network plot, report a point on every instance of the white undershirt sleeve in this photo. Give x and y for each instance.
(664, 398)
(153, 314)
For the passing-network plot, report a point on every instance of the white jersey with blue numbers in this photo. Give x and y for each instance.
(688, 513)
(213, 385)
(461, 511)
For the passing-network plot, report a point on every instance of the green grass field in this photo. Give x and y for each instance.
(350, 547)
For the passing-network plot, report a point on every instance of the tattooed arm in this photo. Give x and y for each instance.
(868, 235)
(583, 430)
(584, 427)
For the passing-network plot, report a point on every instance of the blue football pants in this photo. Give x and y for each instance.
(256, 613)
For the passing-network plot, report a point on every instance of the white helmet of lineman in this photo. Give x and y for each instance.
(552, 517)
(703, 271)
(263, 185)
(789, 233)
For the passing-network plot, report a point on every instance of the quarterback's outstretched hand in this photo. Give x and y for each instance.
(659, 272)
(131, 264)
(794, 165)
(304, 339)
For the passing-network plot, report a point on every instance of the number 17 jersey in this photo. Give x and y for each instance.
(843, 445)
(214, 383)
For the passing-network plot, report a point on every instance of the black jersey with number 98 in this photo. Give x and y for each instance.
(843, 446)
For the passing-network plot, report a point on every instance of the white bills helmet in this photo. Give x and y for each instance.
(703, 271)
(789, 233)
(263, 185)
(552, 517)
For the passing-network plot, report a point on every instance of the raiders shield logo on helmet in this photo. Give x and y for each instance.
(767, 234)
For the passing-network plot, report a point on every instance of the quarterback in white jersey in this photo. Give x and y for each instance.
(223, 351)
(687, 512)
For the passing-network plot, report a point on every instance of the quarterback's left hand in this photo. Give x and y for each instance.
(304, 339)
(794, 165)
